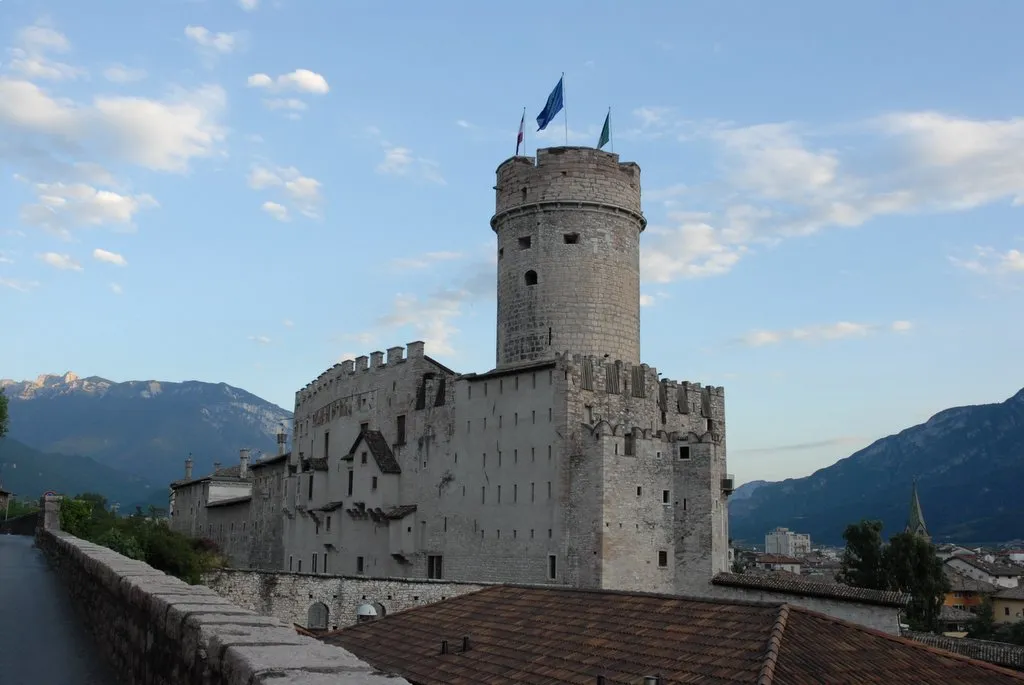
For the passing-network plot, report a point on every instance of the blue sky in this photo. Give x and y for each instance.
(248, 191)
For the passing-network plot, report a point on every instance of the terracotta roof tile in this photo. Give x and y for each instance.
(555, 636)
(793, 584)
(991, 569)
(1011, 593)
(958, 582)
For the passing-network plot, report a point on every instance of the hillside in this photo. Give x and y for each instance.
(28, 473)
(146, 428)
(969, 465)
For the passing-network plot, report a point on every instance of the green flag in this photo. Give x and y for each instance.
(606, 133)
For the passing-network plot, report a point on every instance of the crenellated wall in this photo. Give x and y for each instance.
(157, 630)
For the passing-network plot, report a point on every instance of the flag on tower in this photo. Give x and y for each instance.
(552, 107)
(522, 132)
(606, 132)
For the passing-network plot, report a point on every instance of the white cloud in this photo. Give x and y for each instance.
(60, 207)
(31, 55)
(222, 43)
(248, 5)
(291, 105)
(20, 286)
(119, 73)
(988, 260)
(288, 323)
(116, 289)
(302, 80)
(647, 300)
(261, 339)
(109, 257)
(400, 161)
(4, 259)
(787, 180)
(303, 192)
(462, 123)
(60, 261)
(162, 135)
(278, 211)
(818, 333)
(425, 260)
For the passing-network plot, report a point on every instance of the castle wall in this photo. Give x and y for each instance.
(266, 526)
(568, 256)
(228, 525)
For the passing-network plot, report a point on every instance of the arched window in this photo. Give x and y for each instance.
(318, 617)
(531, 277)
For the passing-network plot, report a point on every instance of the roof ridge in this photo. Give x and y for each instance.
(774, 644)
(907, 641)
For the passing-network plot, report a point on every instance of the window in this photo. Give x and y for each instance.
(499, 494)
(400, 430)
(530, 278)
(684, 451)
(662, 558)
(639, 491)
(289, 563)
(630, 447)
(325, 562)
(664, 496)
(328, 524)
(359, 564)
(316, 527)
(309, 495)
(1006, 611)
(314, 562)
(524, 242)
(501, 252)
(532, 490)
(549, 489)
(364, 427)
(434, 567)
(300, 566)
(571, 238)
(552, 566)
(327, 444)
(515, 494)
(362, 458)
(483, 494)
(373, 483)
(351, 478)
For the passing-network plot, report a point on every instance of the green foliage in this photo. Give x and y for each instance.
(17, 507)
(984, 624)
(908, 564)
(141, 537)
(3, 414)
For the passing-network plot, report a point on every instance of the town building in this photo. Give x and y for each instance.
(965, 592)
(787, 543)
(1008, 605)
(777, 562)
(570, 462)
(1000, 575)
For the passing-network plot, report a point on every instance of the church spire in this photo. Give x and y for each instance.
(915, 521)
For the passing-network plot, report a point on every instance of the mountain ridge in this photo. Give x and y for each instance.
(968, 455)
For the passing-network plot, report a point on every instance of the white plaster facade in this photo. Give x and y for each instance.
(787, 543)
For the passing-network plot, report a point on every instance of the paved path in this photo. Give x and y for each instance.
(42, 640)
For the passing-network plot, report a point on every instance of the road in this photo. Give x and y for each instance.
(42, 640)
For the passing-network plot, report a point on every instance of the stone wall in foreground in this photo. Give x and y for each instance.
(158, 630)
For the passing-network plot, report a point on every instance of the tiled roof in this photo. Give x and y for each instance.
(230, 501)
(991, 569)
(958, 582)
(999, 653)
(229, 473)
(950, 614)
(560, 636)
(399, 512)
(1011, 593)
(380, 450)
(776, 559)
(795, 585)
(267, 461)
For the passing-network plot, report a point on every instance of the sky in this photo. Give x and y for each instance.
(248, 191)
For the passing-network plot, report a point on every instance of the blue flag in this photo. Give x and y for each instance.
(551, 108)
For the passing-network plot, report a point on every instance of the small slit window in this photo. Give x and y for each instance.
(524, 242)
(530, 277)
(571, 238)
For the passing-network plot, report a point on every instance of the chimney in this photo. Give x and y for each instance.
(414, 349)
(243, 463)
(188, 468)
(282, 441)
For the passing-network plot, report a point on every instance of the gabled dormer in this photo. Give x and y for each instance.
(373, 471)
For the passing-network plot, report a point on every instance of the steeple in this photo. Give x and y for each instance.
(915, 521)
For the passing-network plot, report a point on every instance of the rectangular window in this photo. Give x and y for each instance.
(515, 493)
(373, 485)
(299, 570)
(483, 494)
(316, 527)
(325, 562)
(549, 489)
(314, 562)
(532, 492)
(664, 496)
(351, 478)
(310, 493)
(364, 427)
(434, 569)
(639, 491)
(499, 494)
(552, 567)
(289, 563)
(533, 416)
(662, 558)
(362, 458)
(400, 430)
(524, 242)
(550, 415)
(630, 446)
(359, 564)
(684, 451)
(328, 524)
(327, 444)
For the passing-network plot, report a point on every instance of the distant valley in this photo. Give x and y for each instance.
(969, 466)
(137, 431)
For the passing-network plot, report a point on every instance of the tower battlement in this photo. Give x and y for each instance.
(361, 364)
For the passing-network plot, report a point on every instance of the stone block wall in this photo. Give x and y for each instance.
(296, 597)
(158, 630)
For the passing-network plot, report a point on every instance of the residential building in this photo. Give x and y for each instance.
(965, 592)
(1008, 605)
(778, 562)
(787, 543)
(1000, 575)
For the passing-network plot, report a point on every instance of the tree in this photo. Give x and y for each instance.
(3, 413)
(863, 560)
(911, 566)
(984, 623)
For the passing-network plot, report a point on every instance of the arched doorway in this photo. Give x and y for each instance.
(318, 617)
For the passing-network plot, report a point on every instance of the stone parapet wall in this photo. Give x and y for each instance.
(157, 630)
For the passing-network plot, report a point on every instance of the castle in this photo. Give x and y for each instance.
(570, 463)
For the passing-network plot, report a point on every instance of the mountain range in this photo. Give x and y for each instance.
(143, 430)
(968, 463)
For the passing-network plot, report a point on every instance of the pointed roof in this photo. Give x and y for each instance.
(915, 521)
(379, 448)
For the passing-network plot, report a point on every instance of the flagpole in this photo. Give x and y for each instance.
(522, 122)
(565, 111)
(611, 138)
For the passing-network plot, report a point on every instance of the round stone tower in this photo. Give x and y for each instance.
(568, 228)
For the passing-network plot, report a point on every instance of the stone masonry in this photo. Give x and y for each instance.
(157, 630)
